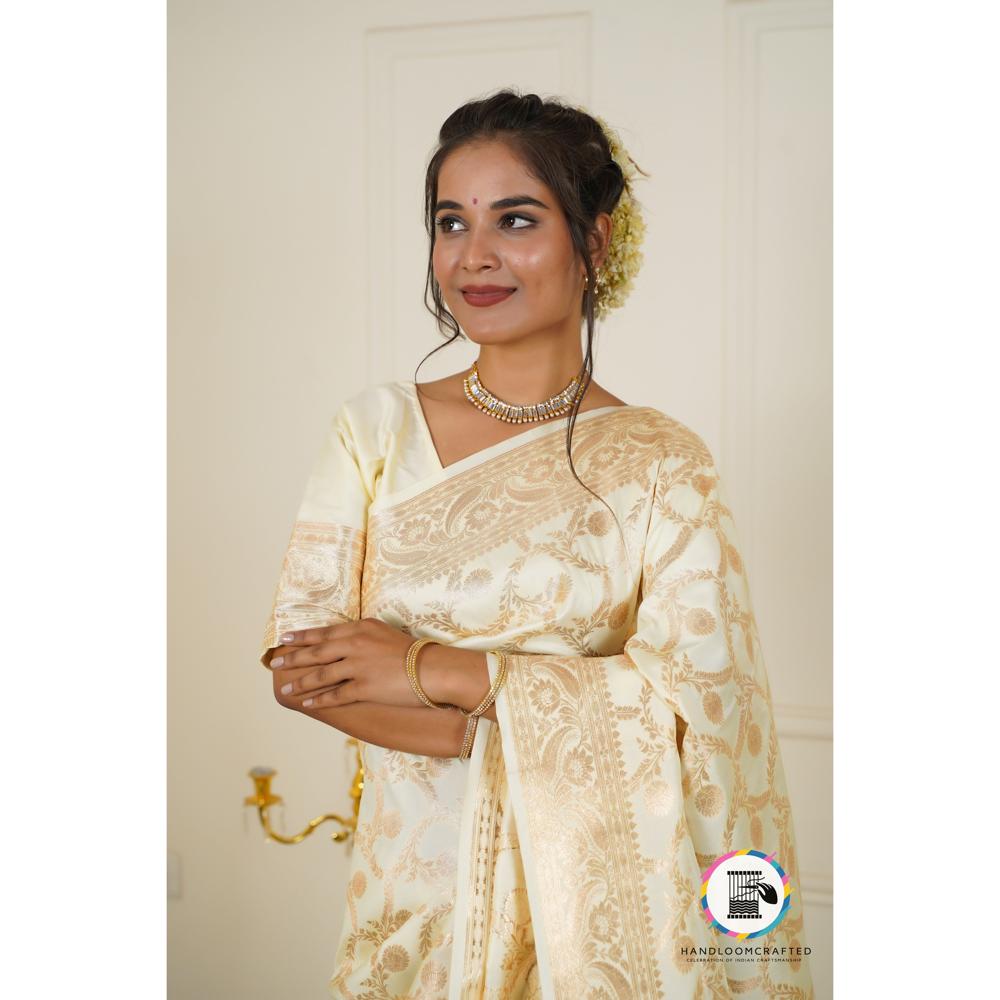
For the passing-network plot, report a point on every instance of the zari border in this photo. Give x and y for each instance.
(530, 862)
(320, 581)
(528, 760)
(474, 870)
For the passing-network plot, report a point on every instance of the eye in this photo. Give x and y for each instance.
(442, 223)
(523, 218)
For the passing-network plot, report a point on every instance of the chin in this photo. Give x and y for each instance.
(478, 325)
(484, 333)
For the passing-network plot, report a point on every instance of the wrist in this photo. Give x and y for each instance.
(453, 676)
(435, 669)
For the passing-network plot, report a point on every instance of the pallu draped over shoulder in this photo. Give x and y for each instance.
(635, 742)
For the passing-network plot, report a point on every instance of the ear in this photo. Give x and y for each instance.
(600, 238)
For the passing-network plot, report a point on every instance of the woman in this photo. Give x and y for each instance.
(552, 845)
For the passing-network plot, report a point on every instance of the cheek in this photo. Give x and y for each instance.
(540, 267)
(442, 258)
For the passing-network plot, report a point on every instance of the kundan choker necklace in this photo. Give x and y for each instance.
(517, 413)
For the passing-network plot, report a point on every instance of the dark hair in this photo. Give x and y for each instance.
(564, 148)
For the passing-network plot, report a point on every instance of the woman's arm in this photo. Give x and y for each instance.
(449, 675)
(432, 732)
(456, 677)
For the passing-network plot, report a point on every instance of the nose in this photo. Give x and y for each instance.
(478, 249)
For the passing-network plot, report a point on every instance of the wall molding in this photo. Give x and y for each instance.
(806, 722)
(747, 22)
(816, 889)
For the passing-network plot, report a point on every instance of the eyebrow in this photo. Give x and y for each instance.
(518, 199)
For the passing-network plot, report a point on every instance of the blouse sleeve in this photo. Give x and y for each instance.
(320, 579)
(631, 774)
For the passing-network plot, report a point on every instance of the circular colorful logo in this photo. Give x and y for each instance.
(745, 894)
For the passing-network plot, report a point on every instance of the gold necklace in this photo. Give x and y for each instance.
(517, 413)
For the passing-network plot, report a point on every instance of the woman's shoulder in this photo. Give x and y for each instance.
(670, 437)
(370, 416)
(378, 400)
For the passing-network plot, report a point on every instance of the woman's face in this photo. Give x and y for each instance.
(497, 225)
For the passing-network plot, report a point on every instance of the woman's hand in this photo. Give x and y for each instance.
(353, 661)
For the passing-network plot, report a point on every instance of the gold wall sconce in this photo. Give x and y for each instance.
(263, 798)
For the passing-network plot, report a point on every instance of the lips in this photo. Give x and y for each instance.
(487, 298)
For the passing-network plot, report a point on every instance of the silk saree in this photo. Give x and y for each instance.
(635, 741)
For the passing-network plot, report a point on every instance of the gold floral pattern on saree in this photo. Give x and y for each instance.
(437, 535)
(499, 961)
(636, 740)
(640, 769)
(397, 937)
(320, 580)
(585, 842)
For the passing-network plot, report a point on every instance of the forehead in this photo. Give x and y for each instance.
(485, 170)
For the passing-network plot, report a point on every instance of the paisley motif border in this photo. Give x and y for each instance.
(417, 540)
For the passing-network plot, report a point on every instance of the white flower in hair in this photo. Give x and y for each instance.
(624, 258)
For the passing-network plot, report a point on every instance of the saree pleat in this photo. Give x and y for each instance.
(635, 740)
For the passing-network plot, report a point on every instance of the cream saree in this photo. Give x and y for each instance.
(635, 741)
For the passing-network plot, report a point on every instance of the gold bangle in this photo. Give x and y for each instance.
(411, 672)
(494, 690)
(473, 717)
(469, 739)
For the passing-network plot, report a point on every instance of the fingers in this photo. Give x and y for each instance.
(315, 680)
(321, 633)
(304, 637)
(345, 693)
(306, 647)
(287, 657)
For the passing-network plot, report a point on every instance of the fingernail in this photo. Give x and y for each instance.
(287, 637)
(307, 702)
(277, 661)
(286, 689)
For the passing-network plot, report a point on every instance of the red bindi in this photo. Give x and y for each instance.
(475, 201)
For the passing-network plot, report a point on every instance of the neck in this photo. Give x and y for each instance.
(527, 373)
